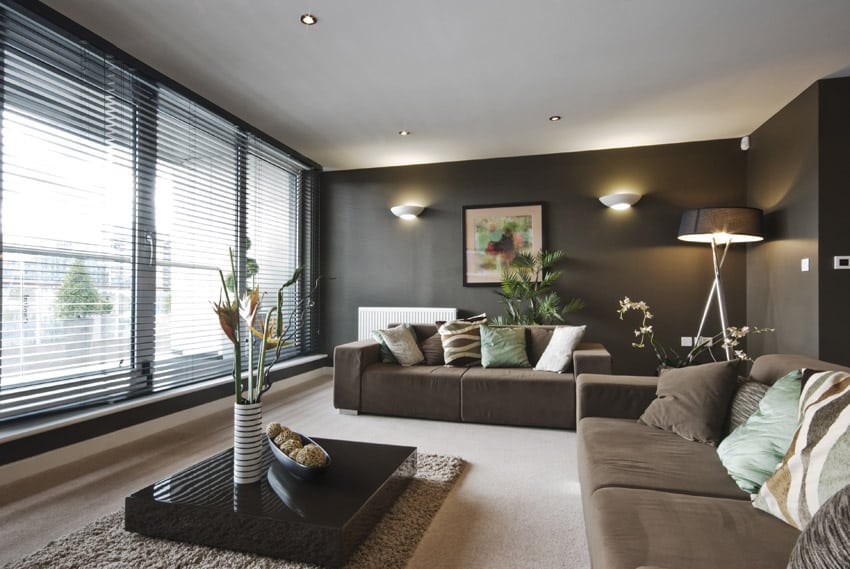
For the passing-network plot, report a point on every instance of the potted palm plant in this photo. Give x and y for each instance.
(527, 290)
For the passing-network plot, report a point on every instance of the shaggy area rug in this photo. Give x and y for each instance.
(105, 544)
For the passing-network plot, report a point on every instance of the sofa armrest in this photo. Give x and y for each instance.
(615, 396)
(591, 358)
(349, 362)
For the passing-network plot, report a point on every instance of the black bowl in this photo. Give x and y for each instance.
(295, 468)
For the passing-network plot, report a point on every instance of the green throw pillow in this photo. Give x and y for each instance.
(503, 347)
(753, 450)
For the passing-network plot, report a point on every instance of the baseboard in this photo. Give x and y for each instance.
(27, 467)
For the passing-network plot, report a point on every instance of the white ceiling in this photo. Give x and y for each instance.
(478, 78)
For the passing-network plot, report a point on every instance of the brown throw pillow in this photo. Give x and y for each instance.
(693, 402)
(432, 349)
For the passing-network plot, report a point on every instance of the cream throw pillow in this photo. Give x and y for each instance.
(402, 343)
(558, 353)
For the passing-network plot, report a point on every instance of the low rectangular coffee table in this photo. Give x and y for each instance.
(320, 521)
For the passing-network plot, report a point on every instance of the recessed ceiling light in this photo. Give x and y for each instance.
(308, 19)
(555, 118)
(404, 133)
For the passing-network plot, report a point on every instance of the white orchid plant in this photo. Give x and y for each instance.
(668, 357)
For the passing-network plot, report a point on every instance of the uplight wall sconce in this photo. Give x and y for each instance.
(623, 200)
(720, 226)
(407, 211)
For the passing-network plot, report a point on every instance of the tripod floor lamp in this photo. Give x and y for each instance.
(720, 226)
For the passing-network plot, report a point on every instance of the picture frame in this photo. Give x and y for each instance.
(494, 234)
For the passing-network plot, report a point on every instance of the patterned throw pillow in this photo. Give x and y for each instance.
(815, 466)
(825, 543)
(402, 343)
(387, 356)
(462, 341)
(745, 403)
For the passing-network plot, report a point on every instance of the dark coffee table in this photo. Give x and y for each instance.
(320, 521)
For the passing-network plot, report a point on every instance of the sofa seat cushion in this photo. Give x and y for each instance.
(625, 453)
(514, 396)
(428, 392)
(633, 527)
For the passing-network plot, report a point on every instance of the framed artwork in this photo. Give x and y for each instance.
(494, 234)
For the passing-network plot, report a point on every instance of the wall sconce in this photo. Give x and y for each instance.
(623, 200)
(407, 211)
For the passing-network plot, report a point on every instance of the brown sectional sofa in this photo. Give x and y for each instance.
(652, 498)
(507, 396)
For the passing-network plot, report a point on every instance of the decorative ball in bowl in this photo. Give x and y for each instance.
(299, 454)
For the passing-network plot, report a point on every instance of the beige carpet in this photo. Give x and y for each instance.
(516, 505)
(105, 544)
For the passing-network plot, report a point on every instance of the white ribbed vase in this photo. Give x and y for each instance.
(247, 442)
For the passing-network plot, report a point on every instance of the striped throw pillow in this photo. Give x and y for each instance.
(815, 466)
(825, 543)
(462, 341)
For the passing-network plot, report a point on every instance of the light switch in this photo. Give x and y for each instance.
(841, 262)
(804, 265)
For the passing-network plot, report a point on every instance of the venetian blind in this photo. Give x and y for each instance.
(121, 199)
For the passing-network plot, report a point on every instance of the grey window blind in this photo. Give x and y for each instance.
(120, 200)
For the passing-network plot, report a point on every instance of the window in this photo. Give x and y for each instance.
(121, 198)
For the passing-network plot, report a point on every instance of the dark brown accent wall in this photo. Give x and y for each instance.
(783, 181)
(834, 226)
(371, 258)
(798, 168)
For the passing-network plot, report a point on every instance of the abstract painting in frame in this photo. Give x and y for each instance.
(494, 234)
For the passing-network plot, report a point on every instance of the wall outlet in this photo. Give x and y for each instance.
(704, 339)
(687, 341)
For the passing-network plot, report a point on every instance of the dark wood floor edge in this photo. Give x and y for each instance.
(65, 435)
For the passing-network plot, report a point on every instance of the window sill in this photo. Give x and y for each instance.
(83, 424)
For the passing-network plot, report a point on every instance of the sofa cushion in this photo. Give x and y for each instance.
(559, 352)
(632, 527)
(503, 346)
(752, 451)
(432, 350)
(693, 402)
(745, 402)
(401, 341)
(536, 340)
(429, 392)
(825, 543)
(462, 341)
(518, 396)
(623, 452)
(815, 466)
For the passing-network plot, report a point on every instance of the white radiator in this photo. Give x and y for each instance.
(374, 318)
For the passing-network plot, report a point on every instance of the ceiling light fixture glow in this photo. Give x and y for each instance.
(404, 132)
(308, 19)
(555, 118)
